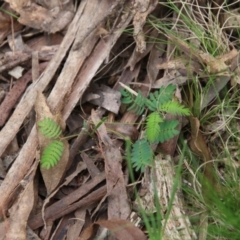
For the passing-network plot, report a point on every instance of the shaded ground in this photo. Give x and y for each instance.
(65, 61)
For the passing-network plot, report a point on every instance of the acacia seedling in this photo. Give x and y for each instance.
(157, 129)
(52, 153)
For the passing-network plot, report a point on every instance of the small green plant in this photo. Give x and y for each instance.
(158, 130)
(52, 153)
(141, 154)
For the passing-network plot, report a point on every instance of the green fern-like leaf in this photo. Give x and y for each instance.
(153, 127)
(49, 128)
(163, 95)
(168, 130)
(127, 97)
(166, 94)
(174, 108)
(152, 101)
(138, 105)
(141, 155)
(52, 154)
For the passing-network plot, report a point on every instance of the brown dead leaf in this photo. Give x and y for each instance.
(173, 77)
(118, 205)
(197, 142)
(214, 89)
(199, 147)
(121, 229)
(53, 176)
(155, 57)
(103, 96)
(128, 76)
(92, 168)
(136, 56)
(80, 167)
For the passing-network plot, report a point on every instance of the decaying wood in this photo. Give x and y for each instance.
(160, 180)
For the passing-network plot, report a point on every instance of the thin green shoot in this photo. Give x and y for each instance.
(8, 13)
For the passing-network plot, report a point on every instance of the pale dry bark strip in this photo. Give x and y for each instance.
(79, 51)
(118, 206)
(160, 180)
(92, 64)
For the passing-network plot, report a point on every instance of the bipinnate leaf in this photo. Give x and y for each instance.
(174, 108)
(155, 99)
(127, 97)
(138, 105)
(168, 130)
(163, 95)
(53, 158)
(166, 94)
(52, 154)
(152, 102)
(153, 127)
(49, 128)
(141, 155)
